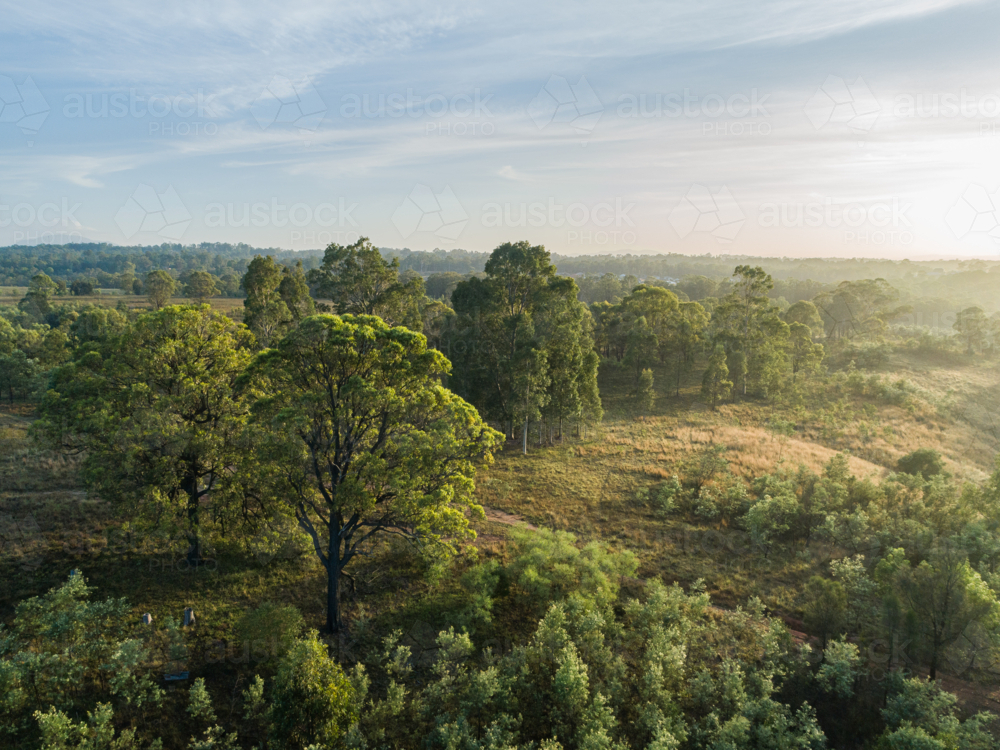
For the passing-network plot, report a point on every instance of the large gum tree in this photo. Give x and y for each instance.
(365, 440)
(153, 411)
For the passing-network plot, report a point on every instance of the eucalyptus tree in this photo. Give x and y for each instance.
(747, 325)
(264, 310)
(660, 308)
(159, 286)
(804, 355)
(685, 337)
(522, 340)
(154, 413)
(294, 292)
(501, 362)
(200, 286)
(359, 281)
(364, 441)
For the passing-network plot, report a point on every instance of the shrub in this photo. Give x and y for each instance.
(313, 701)
(667, 496)
(839, 669)
(924, 462)
(550, 568)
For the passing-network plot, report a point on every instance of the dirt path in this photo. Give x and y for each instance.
(508, 519)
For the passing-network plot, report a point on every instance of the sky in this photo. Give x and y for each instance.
(790, 128)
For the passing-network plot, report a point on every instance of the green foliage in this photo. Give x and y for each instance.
(804, 355)
(61, 654)
(925, 462)
(19, 376)
(265, 312)
(685, 338)
(154, 411)
(269, 630)
(200, 285)
(359, 281)
(826, 607)
(640, 347)
(294, 292)
(805, 313)
(946, 597)
(440, 285)
(521, 342)
(973, 326)
(312, 700)
(746, 325)
(839, 670)
(644, 394)
(82, 287)
(59, 732)
(200, 703)
(715, 383)
(858, 309)
(550, 567)
(159, 286)
(667, 495)
(96, 323)
(918, 715)
(480, 584)
(358, 425)
(36, 301)
(772, 520)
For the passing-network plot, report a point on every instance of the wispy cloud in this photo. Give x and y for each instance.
(447, 96)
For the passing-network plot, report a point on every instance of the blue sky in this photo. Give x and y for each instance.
(780, 128)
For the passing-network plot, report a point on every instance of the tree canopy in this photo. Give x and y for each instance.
(365, 441)
(154, 412)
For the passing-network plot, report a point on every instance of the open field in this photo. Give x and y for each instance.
(10, 296)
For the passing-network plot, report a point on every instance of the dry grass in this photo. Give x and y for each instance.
(226, 305)
(593, 487)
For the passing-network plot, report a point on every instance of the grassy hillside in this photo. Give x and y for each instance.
(596, 486)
